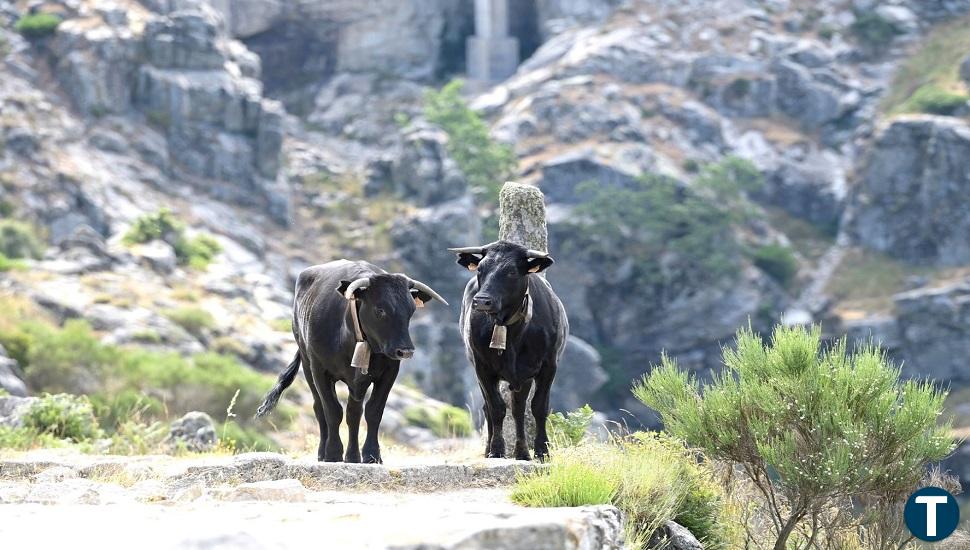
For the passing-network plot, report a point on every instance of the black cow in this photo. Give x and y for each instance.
(323, 326)
(504, 294)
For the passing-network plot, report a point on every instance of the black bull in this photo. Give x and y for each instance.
(505, 293)
(324, 329)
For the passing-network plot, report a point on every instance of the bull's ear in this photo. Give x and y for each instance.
(420, 297)
(469, 261)
(342, 289)
(537, 265)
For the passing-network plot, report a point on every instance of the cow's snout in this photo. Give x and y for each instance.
(403, 353)
(483, 302)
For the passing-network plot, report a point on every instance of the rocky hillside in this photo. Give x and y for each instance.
(707, 165)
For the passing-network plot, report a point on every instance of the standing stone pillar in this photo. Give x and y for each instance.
(522, 220)
(493, 55)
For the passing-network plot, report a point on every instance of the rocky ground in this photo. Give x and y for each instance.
(265, 500)
(294, 133)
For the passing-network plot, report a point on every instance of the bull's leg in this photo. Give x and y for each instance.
(334, 449)
(519, 400)
(354, 410)
(540, 408)
(495, 406)
(317, 410)
(374, 411)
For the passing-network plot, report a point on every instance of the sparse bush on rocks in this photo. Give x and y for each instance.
(814, 429)
(196, 321)
(196, 252)
(19, 240)
(38, 25)
(778, 262)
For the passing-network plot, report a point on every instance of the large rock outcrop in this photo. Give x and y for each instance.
(927, 332)
(913, 196)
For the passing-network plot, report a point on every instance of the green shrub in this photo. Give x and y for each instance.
(38, 25)
(486, 164)
(931, 98)
(63, 416)
(6, 264)
(650, 477)
(196, 321)
(778, 262)
(873, 30)
(19, 240)
(236, 438)
(22, 439)
(114, 409)
(443, 421)
(813, 429)
(69, 360)
(196, 252)
(570, 428)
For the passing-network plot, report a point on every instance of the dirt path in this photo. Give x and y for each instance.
(267, 500)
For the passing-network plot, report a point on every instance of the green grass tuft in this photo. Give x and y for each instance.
(196, 252)
(63, 416)
(650, 477)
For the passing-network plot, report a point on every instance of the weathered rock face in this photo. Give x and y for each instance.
(12, 409)
(422, 172)
(928, 332)
(911, 201)
(11, 378)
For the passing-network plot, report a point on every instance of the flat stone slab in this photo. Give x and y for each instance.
(407, 474)
(266, 500)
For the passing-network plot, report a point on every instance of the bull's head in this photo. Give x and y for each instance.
(502, 269)
(387, 302)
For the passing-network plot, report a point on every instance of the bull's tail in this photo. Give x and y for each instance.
(286, 378)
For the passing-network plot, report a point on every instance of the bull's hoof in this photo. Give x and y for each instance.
(337, 458)
(495, 452)
(522, 454)
(353, 458)
(371, 459)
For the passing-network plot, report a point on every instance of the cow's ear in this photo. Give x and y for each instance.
(537, 265)
(469, 261)
(342, 289)
(420, 297)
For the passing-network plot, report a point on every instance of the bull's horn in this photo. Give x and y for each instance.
(536, 254)
(427, 289)
(468, 250)
(359, 284)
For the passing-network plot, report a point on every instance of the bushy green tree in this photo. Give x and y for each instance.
(486, 163)
(19, 240)
(814, 428)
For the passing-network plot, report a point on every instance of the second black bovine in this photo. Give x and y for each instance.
(506, 292)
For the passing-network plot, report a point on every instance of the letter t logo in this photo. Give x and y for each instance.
(930, 502)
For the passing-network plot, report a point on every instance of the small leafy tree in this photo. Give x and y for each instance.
(815, 429)
(486, 163)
